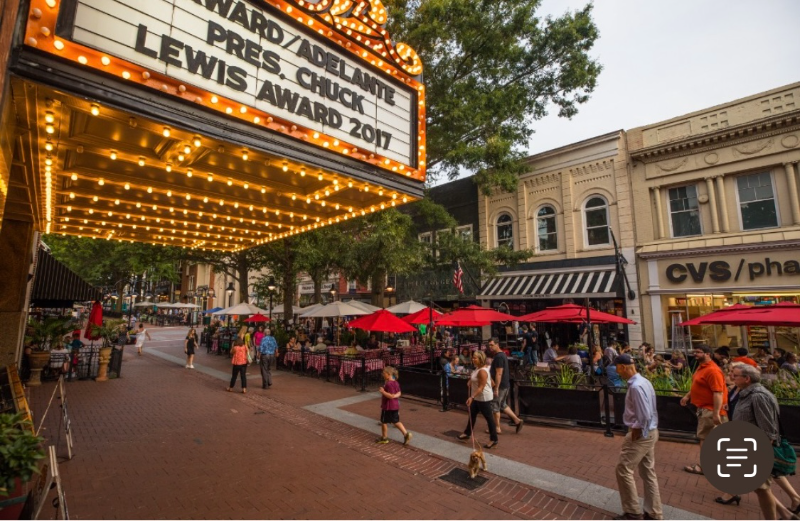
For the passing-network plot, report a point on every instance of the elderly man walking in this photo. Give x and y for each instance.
(758, 406)
(266, 353)
(709, 394)
(639, 447)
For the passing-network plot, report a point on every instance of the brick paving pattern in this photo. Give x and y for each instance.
(166, 442)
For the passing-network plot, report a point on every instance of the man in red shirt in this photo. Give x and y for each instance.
(743, 358)
(708, 393)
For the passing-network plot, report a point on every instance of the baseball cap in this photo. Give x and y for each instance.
(624, 360)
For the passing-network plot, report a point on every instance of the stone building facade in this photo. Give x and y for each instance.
(717, 219)
(568, 209)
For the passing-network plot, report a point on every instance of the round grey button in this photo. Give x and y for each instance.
(737, 457)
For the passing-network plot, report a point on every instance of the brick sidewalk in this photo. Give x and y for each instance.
(166, 442)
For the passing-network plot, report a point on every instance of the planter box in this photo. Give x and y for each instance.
(672, 416)
(790, 419)
(457, 390)
(420, 382)
(582, 405)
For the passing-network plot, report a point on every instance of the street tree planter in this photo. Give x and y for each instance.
(105, 358)
(38, 361)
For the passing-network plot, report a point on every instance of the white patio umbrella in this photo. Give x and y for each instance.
(165, 305)
(241, 309)
(369, 308)
(335, 309)
(308, 309)
(185, 306)
(143, 304)
(406, 308)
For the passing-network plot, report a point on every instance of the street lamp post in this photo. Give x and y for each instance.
(132, 296)
(190, 296)
(229, 290)
(271, 287)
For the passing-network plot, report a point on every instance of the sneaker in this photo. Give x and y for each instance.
(407, 438)
(382, 441)
(191, 367)
(187, 367)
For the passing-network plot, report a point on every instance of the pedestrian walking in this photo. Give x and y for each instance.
(266, 354)
(480, 399)
(390, 407)
(639, 448)
(758, 406)
(239, 363)
(189, 347)
(709, 394)
(141, 335)
(501, 383)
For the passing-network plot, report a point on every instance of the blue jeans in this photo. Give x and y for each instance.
(531, 355)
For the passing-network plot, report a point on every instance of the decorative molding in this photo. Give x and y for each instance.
(542, 190)
(731, 136)
(539, 180)
(749, 149)
(708, 251)
(593, 179)
(592, 168)
(790, 141)
(672, 166)
(712, 158)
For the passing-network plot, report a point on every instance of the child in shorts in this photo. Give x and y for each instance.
(390, 407)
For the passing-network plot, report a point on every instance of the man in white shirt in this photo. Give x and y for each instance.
(639, 447)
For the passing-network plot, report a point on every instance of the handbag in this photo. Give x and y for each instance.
(785, 456)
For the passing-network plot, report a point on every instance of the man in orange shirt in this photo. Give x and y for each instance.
(708, 393)
(743, 358)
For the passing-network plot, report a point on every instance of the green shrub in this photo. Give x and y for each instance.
(20, 450)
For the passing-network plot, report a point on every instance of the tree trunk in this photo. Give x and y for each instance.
(243, 272)
(317, 279)
(378, 286)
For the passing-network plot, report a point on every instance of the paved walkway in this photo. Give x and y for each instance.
(179, 446)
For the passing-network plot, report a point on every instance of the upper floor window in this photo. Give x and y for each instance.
(757, 201)
(425, 237)
(465, 232)
(597, 232)
(684, 211)
(505, 231)
(546, 228)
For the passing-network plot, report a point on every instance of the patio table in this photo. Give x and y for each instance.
(349, 367)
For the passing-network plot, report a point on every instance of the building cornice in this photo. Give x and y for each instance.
(744, 133)
(707, 251)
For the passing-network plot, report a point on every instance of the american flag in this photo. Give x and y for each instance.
(457, 273)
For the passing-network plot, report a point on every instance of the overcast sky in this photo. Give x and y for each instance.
(664, 58)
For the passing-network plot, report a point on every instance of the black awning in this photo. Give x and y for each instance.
(56, 286)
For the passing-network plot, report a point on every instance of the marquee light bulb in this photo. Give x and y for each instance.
(72, 195)
(74, 177)
(230, 182)
(101, 182)
(58, 44)
(245, 155)
(189, 173)
(319, 177)
(150, 190)
(166, 132)
(210, 178)
(246, 186)
(169, 193)
(95, 110)
(113, 155)
(48, 146)
(181, 157)
(94, 198)
(127, 186)
(187, 149)
(50, 129)
(141, 161)
(49, 117)
(196, 142)
(294, 197)
(105, 60)
(285, 166)
(116, 201)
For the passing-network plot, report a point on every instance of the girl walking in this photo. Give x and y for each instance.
(390, 407)
(141, 334)
(239, 363)
(189, 347)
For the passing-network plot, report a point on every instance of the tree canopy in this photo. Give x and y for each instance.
(492, 68)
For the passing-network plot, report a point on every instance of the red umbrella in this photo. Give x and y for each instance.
(473, 316)
(699, 321)
(573, 313)
(382, 320)
(421, 317)
(784, 314)
(95, 319)
(258, 317)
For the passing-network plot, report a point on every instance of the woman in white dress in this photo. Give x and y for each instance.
(141, 335)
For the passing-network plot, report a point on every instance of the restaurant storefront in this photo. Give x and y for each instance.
(685, 285)
(203, 124)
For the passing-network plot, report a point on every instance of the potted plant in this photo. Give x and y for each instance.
(786, 388)
(44, 336)
(108, 333)
(562, 394)
(20, 451)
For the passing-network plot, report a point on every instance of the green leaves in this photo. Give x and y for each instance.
(20, 450)
(492, 68)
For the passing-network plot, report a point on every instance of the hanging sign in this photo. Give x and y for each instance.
(263, 58)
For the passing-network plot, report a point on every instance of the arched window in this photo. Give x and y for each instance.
(505, 231)
(546, 228)
(596, 210)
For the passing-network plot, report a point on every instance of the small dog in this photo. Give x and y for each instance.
(476, 461)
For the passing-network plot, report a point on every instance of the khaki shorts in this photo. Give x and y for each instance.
(499, 401)
(705, 422)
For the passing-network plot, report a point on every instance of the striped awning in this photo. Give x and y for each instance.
(55, 285)
(577, 284)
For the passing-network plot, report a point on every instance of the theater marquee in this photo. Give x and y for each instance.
(325, 73)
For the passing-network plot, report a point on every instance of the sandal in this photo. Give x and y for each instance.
(229, 389)
(463, 437)
(693, 469)
(490, 445)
